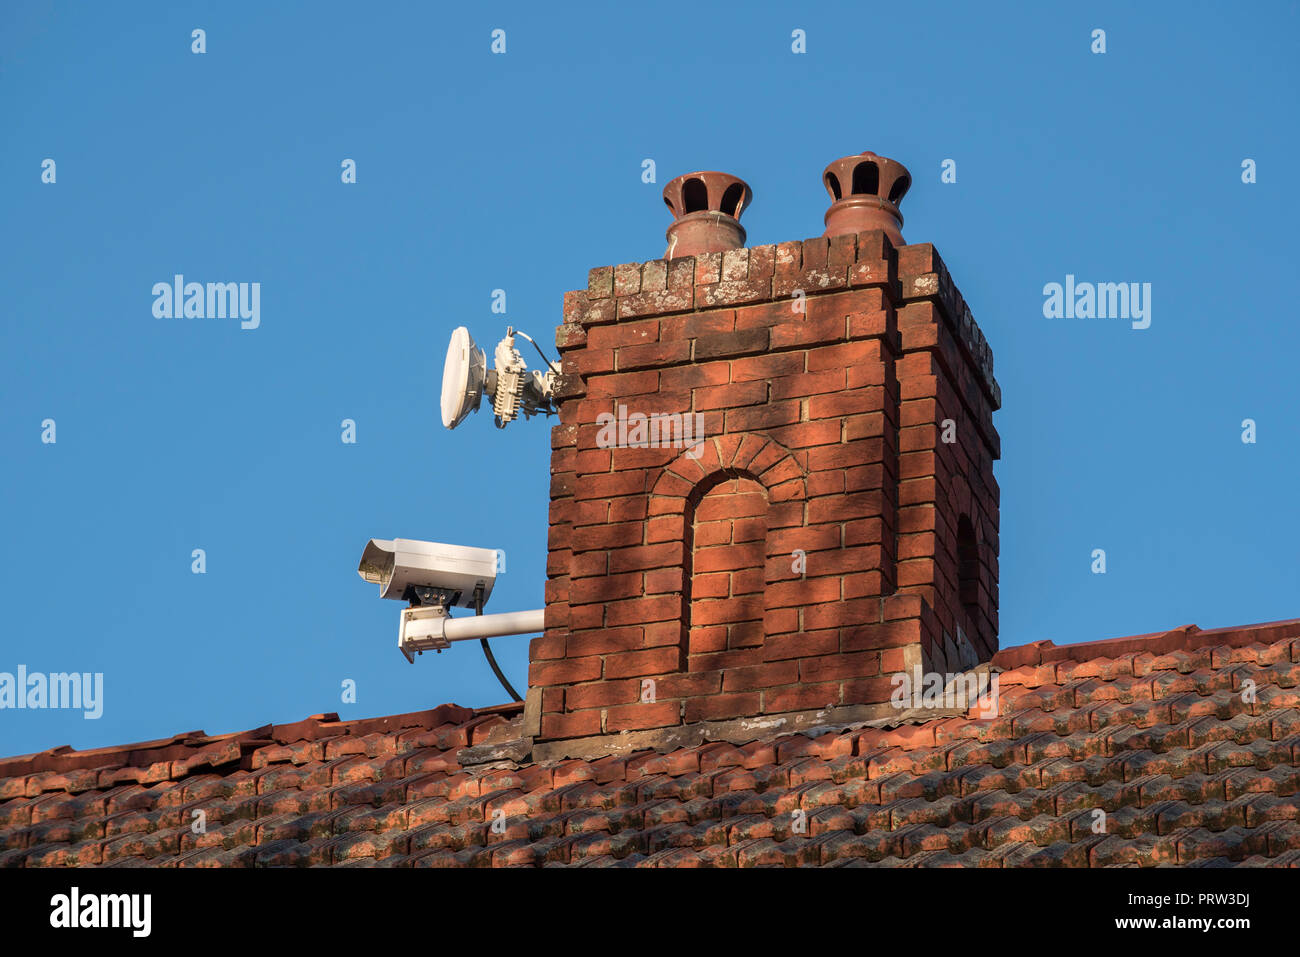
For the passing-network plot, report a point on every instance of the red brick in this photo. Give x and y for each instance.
(565, 671)
(627, 279)
(605, 588)
(755, 677)
(724, 611)
(640, 716)
(654, 354)
(652, 661)
(708, 268)
(834, 667)
(729, 345)
(803, 592)
(604, 641)
(767, 367)
(801, 697)
(609, 486)
(685, 378)
(623, 334)
(731, 396)
(547, 646)
(624, 384)
(660, 633)
(723, 558)
(663, 580)
(845, 355)
(804, 644)
(727, 659)
(841, 404)
(858, 612)
(708, 639)
(806, 435)
(890, 634)
(868, 690)
(577, 725)
(808, 332)
(837, 508)
(712, 584)
(642, 610)
(688, 685)
(645, 557)
(807, 383)
(553, 699)
(599, 694)
(862, 452)
(722, 707)
(713, 322)
(739, 498)
(759, 417)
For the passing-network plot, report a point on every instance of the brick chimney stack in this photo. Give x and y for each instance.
(772, 482)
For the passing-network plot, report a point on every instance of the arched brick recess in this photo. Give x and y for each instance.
(725, 573)
(953, 572)
(713, 490)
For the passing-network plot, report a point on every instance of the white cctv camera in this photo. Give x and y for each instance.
(429, 573)
(435, 578)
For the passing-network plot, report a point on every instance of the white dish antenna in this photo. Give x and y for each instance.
(462, 378)
(511, 385)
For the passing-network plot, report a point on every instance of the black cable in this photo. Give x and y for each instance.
(549, 364)
(487, 649)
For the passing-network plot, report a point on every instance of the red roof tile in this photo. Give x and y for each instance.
(1190, 763)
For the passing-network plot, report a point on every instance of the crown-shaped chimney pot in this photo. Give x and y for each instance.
(866, 190)
(706, 208)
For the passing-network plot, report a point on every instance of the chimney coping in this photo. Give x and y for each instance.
(751, 275)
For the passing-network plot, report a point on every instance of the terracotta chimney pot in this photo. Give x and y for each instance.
(866, 190)
(706, 208)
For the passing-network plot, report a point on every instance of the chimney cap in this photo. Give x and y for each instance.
(707, 190)
(865, 190)
(706, 207)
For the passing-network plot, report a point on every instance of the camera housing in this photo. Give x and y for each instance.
(429, 573)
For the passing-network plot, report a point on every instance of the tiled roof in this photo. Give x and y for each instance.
(1191, 763)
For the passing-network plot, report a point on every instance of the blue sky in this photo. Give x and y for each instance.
(521, 171)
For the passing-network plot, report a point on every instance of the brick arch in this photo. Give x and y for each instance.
(960, 498)
(687, 478)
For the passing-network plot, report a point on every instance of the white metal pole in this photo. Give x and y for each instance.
(495, 626)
